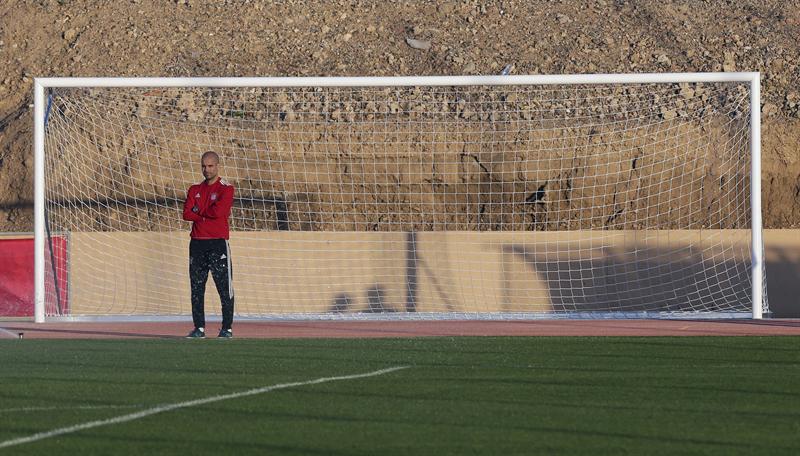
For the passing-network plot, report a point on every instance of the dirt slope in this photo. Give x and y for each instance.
(333, 38)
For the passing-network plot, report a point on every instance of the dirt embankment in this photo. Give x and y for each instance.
(335, 38)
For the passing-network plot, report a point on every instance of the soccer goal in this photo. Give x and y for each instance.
(465, 197)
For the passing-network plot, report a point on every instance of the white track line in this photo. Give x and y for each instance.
(179, 405)
(12, 334)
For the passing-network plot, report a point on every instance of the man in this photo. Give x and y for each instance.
(208, 206)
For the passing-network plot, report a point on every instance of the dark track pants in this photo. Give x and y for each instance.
(211, 255)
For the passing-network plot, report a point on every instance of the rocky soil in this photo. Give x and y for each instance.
(336, 38)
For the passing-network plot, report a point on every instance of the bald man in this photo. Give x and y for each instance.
(208, 206)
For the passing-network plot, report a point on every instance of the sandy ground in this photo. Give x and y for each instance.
(335, 38)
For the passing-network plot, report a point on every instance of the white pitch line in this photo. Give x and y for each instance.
(180, 405)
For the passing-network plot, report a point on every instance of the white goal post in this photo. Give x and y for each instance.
(477, 197)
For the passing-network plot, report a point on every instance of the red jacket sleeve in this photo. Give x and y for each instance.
(188, 215)
(220, 209)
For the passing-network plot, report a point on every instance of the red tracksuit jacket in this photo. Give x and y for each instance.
(213, 207)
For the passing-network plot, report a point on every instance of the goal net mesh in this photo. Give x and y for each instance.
(424, 201)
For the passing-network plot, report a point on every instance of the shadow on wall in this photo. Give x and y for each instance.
(376, 302)
(620, 279)
(783, 279)
(12, 305)
(645, 279)
(607, 278)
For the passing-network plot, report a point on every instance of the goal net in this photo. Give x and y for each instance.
(463, 197)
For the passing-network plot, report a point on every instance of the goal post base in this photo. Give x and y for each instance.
(426, 316)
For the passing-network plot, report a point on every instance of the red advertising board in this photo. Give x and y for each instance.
(16, 275)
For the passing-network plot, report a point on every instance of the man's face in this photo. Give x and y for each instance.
(210, 170)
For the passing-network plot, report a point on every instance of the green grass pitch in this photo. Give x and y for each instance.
(504, 395)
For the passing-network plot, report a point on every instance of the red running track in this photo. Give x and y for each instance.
(378, 329)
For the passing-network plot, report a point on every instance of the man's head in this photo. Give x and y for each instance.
(210, 165)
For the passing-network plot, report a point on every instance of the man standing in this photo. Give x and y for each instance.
(208, 206)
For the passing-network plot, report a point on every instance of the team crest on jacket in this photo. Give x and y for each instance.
(213, 197)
